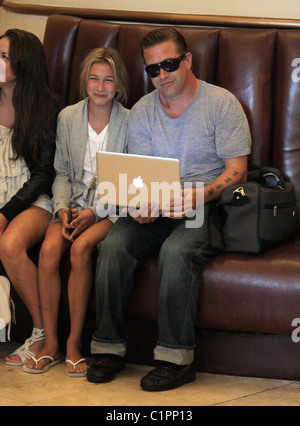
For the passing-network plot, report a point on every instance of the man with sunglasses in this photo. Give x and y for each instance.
(205, 127)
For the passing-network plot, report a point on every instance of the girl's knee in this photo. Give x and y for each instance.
(49, 255)
(80, 251)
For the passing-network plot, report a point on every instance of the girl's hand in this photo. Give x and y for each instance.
(67, 228)
(83, 220)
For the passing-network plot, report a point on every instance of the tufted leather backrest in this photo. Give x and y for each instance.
(254, 64)
(245, 68)
(286, 107)
(59, 44)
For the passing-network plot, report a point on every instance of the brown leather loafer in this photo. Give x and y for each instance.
(168, 376)
(105, 367)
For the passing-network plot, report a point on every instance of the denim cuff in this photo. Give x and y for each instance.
(176, 356)
(101, 347)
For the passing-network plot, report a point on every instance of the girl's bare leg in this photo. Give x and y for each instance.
(51, 252)
(80, 283)
(79, 286)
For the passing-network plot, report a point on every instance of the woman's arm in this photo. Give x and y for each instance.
(40, 182)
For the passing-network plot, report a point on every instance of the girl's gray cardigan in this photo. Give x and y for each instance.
(71, 143)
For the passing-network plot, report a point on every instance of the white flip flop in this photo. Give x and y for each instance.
(74, 364)
(47, 367)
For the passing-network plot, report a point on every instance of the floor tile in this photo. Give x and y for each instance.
(288, 395)
(55, 388)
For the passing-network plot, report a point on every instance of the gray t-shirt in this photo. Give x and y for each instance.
(212, 128)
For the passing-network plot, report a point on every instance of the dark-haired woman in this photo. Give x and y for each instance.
(28, 113)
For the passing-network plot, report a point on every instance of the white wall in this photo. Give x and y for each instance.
(286, 9)
(254, 8)
(35, 24)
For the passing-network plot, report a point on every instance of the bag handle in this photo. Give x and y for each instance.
(269, 177)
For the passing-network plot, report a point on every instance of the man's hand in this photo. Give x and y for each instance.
(192, 198)
(147, 213)
(184, 206)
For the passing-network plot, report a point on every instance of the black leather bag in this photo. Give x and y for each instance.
(253, 216)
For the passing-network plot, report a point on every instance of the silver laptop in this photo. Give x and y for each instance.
(126, 180)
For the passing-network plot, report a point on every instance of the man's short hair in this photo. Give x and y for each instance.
(161, 35)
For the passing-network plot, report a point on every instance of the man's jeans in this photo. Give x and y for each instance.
(182, 253)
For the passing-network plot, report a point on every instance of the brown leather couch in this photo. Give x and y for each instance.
(247, 302)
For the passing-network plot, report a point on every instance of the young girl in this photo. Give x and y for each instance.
(97, 123)
(28, 113)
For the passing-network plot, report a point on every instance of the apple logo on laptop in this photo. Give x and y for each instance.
(138, 182)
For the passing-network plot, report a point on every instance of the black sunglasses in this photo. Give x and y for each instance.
(168, 65)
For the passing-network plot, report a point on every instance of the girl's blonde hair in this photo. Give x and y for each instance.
(111, 57)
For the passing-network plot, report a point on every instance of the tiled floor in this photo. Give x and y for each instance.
(56, 389)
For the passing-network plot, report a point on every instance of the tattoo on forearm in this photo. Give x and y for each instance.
(211, 192)
(219, 186)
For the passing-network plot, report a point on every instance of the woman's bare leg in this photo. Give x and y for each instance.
(25, 231)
